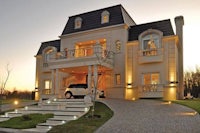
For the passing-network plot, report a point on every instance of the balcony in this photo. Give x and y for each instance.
(81, 57)
(151, 91)
(150, 56)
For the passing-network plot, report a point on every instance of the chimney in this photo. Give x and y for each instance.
(179, 21)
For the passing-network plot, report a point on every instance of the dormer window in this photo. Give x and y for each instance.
(78, 23)
(105, 17)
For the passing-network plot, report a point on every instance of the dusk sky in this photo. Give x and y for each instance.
(24, 24)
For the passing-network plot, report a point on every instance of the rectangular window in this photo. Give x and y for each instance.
(47, 84)
(151, 78)
(118, 79)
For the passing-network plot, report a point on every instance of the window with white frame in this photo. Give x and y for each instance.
(47, 84)
(105, 16)
(118, 79)
(78, 23)
(150, 44)
(151, 78)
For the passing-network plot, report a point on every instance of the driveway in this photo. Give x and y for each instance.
(149, 116)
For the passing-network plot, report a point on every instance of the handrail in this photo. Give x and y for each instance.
(151, 52)
(81, 52)
(152, 87)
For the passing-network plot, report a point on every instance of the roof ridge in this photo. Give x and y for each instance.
(95, 10)
(152, 22)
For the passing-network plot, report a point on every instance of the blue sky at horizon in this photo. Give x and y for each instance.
(24, 24)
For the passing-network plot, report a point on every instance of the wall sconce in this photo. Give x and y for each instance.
(129, 85)
(173, 83)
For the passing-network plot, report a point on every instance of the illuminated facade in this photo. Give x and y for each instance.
(127, 60)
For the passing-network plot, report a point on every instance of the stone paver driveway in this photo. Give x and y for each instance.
(150, 116)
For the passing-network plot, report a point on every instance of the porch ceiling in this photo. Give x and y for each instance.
(83, 69)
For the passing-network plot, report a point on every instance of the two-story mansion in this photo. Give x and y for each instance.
(125, 59)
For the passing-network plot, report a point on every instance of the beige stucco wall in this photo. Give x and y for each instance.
(111, 35)
(167, 68)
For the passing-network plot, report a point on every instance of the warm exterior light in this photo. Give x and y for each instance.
(48, 102)
(86, 109)
(75, 117)
(16, 102)
(133, 98)
(54, 99)
(129, 85)
(26, 107)
(16, 111)
(169, 102)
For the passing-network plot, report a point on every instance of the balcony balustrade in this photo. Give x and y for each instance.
(152, 88)
(150, 56)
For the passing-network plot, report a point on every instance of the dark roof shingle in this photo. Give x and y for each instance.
(54, 43)
(163, 26)
(92, 20)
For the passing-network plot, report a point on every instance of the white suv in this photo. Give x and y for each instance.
(79, 90)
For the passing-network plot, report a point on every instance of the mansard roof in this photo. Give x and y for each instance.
(92, 20)
(54, 43)
(163, 26)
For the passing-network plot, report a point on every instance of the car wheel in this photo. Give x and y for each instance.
(68, 95)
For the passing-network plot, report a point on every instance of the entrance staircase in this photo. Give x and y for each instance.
(64, 110)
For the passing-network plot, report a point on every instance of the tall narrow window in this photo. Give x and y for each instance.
(105, 16)
(118, 46)
(78, 23)
(118, 79)
(47, 84)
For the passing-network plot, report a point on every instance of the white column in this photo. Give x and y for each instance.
(57, 82)
(95, 75)
(52, 81)
(89, 78)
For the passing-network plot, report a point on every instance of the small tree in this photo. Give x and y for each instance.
(4, 79)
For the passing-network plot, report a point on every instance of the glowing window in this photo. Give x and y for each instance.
(151, 78)
(47, 84)
(78, 23)
(105, 17)
(118, 79)
(118, 46)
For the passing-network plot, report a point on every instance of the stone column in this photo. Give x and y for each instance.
(89, 78)
(179, 21)
(57, 82)
(95, 76)
(52, 81)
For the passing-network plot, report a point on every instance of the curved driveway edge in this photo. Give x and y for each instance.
(149, 116)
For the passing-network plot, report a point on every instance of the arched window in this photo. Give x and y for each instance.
(77, 23)
(105, 17)
(48, 54)
(118, 46)
(150, 42)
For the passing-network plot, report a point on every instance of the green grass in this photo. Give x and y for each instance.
(11, 101)
(25, 121)
(192, 103)
(85, 124)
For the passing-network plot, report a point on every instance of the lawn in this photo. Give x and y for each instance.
(86, 124)
(192, 103)
(11, 101)
(25, 121)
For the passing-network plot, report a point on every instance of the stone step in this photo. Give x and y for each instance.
(44, 127)
(77, 109)
(72, 113)
(14, 114)
(34, 130)
(65, 117)
(58, 122)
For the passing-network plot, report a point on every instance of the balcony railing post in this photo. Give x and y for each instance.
(98, 50)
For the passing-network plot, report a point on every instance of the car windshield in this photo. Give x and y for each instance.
(78, 86)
